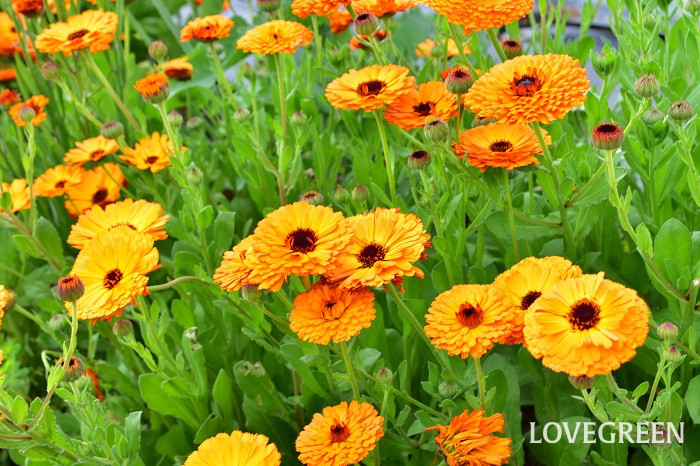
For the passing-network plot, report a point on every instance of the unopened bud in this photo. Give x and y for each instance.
(112, 130)
(175, 119)
(251, 293)
(652, 116)
(512, 48)
(75, 369)
(365, 24)
(608, 136)
(70, 288)
(341, 194)
(436, 130)
(50, 70)
(268, 5)
(194, 123)
(647, 85)
(582, 382)
(673, 355)
(312, 197)
(298, 118)
(385, 376)
(56, 322)
(604, 62)
(360, 193)
(693, 6)
(448, 389)
(419, 160)
(122, 328)
(241, 115)
(26, 114)
(194, 174)
(680, 111)
(650, 20)
(667, 331)
(158, 50)
(459, 80)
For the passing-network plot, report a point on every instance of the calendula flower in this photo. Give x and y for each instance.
(150, 153)
(304, 8)
(31, 8)
(340, 20)
(19, 193)
(586, 326)
(7, 73)
(113, 268)
(380, 8)
(469, 439)
(354, 43)
(141, 216)
(370, 88)
(384, 245)
(55, 181)
(178, 68)
(90, 150)
(500, 145)
(236, 266)
(297, 239)
(341, 435)
(154, 87)
(328, 312)
(36, 103)
(525, 282)
(8, 97)
(529, 88)
(91, 29)
(95, 382)
(431, 49)
(275, 37)
(206, 29)
(481, 14)
(413, 109)
(237, 449)
(99, 186)
(7, 300)
(8, 36)
(468, 319)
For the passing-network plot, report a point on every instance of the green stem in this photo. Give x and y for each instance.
(221, 77)
(403, 395)
(480, 382)
(283, 96)
(348, 367)
(387, 157)
(79, 104)
(659, 371)
(616, 391)
(587, 186)
(493, 36)
(171, 283)
(460, 48)
(438, 223)
(511, 217)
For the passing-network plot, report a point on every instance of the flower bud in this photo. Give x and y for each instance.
(449, 389)
(436, 51)
(336, 55)
(50, 70)
(56, 322)
(512, 48)
(436, 130)
(365, 24)
(312, 197)
(582, 382)
(341, 194)
(298, 118)
(667, 331)
(360, 193)
(385, 376)
(194, 174)
(652, 116)
(70, 288)
(241, 115)
(680, 111)
(673, 355)
(693, 6)
(251, 293)
(157, 50)
(604, 62)
(75, 369)
(122, 328)
(647, 85)
(268, 5)
(195, 122)
(649, 20)
(175, 119)
(608, 136)
(419, 160)
(26, 114)
(112, 130)
(459, 80)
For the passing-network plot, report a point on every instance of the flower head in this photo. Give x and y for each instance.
(608, 136)
(480, 14)
(91, 29)
(327, 312)
(70, 288)
(90, 150)
(19, 193)
(99, 186)
(469, 439)
(178, 68)
(304, 8)
(154, 88)
(237, 449)
(36, 103)
(340, 20)
(370, 88)
(341, 435)
(55, 181)
(30, 8)
(413, 109)
(8, 36)
(431, 49)
(586, 326)
(150, 153)
(8, 97)
(7, 73)
(276, 36)
(236, 266)
(380, 8)
(206, 29)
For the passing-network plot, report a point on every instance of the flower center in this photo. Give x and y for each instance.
(123, 224)
(526, 85)
(99, 196)
(97, 154)
(511, 43)
(112, 278)
(585, 314)
(60, 184)
(370, 88)
(607, 129)
(419, 155)
(331, 311)
(501, 146)
(529, 298)
(370, 254)
(77, 34)
(469, 316)
(151, 160)
(302, 240)
(339, 433)
(424, 108)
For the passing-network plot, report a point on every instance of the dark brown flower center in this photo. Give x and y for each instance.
(584, 314)
(424, 108)
(511, 43)
(607, 129)
(370, 88)
(123, 224)
(339, 433)
(459, 74)
(112, 278)
(362, 17)
(419, 155)
(302, 240)
(151, 160)
(77, 34)
(60, 184)
(370, 254)
(528, 299)
(501, 146)
(469, 316)
(97, 154)
(526, 85)
(99, 196)
(331, 311)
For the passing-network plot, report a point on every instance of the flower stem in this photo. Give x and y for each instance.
(460, 48)
(587, 186)
(171, 283)
(511, 216)
(348, 367)
(493, 36)
(480, 382)
(283, 97)
(221, 77)
(79, 104)
(387, 157)
(659, 371)
(616, 391)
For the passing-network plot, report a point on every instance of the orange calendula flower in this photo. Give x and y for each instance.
(470, 439)
(431, 49)
(236, 266)
(468, 319)
(275, 37)
(480, 14)
(99, 186)
(36, 103)
(91, 29)
(297, 239)
(384, 245)
(413, 109)
(586, 326)
(525, 282)
(154, 87)
(141, 216)
(327, 312)
(90, 150)
(19, 193)
(355, 44)
(206, 29)
(8, 36)
(304, 8)
(529, 88)
(340, 20)
(370, 88)
(113, 268)
(500, 145)
(8, 97)
(150, 153)
(7, 73)
(341, 435)
(380, 8)
(95, 384)
(237, 449)
(55, 181)
(31, 8)
(178, 68)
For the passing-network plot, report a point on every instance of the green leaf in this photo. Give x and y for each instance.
(222, 392)
(19, 410)
(132, 429)
(48, 236)
(209, 428)
(162, 402)
(672, 245)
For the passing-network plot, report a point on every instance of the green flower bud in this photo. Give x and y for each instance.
(312, 197)
(605, 62)
(608, 136)
(512, 48)
(673, 355)
(50, 70)
(360, 193)
(112, 130)
(158, 50)
(680, 111)
(195, 122)
(70, 288)
(652, 116)
(122, 328)
(582, 382)
(667, 331)
(449, 389)
(298, 118)
(419, 160)
(459, 80)
(341, 194)
(385, 376)
(175, 119)
(268, 5)
(26, 114)
(647, 85)
(365, 24)
(436, 130)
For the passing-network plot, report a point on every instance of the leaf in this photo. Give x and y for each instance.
(222, 393)
(132, 430)
(162, 402)
(48, 236)
(19, 410)
(672, 243)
